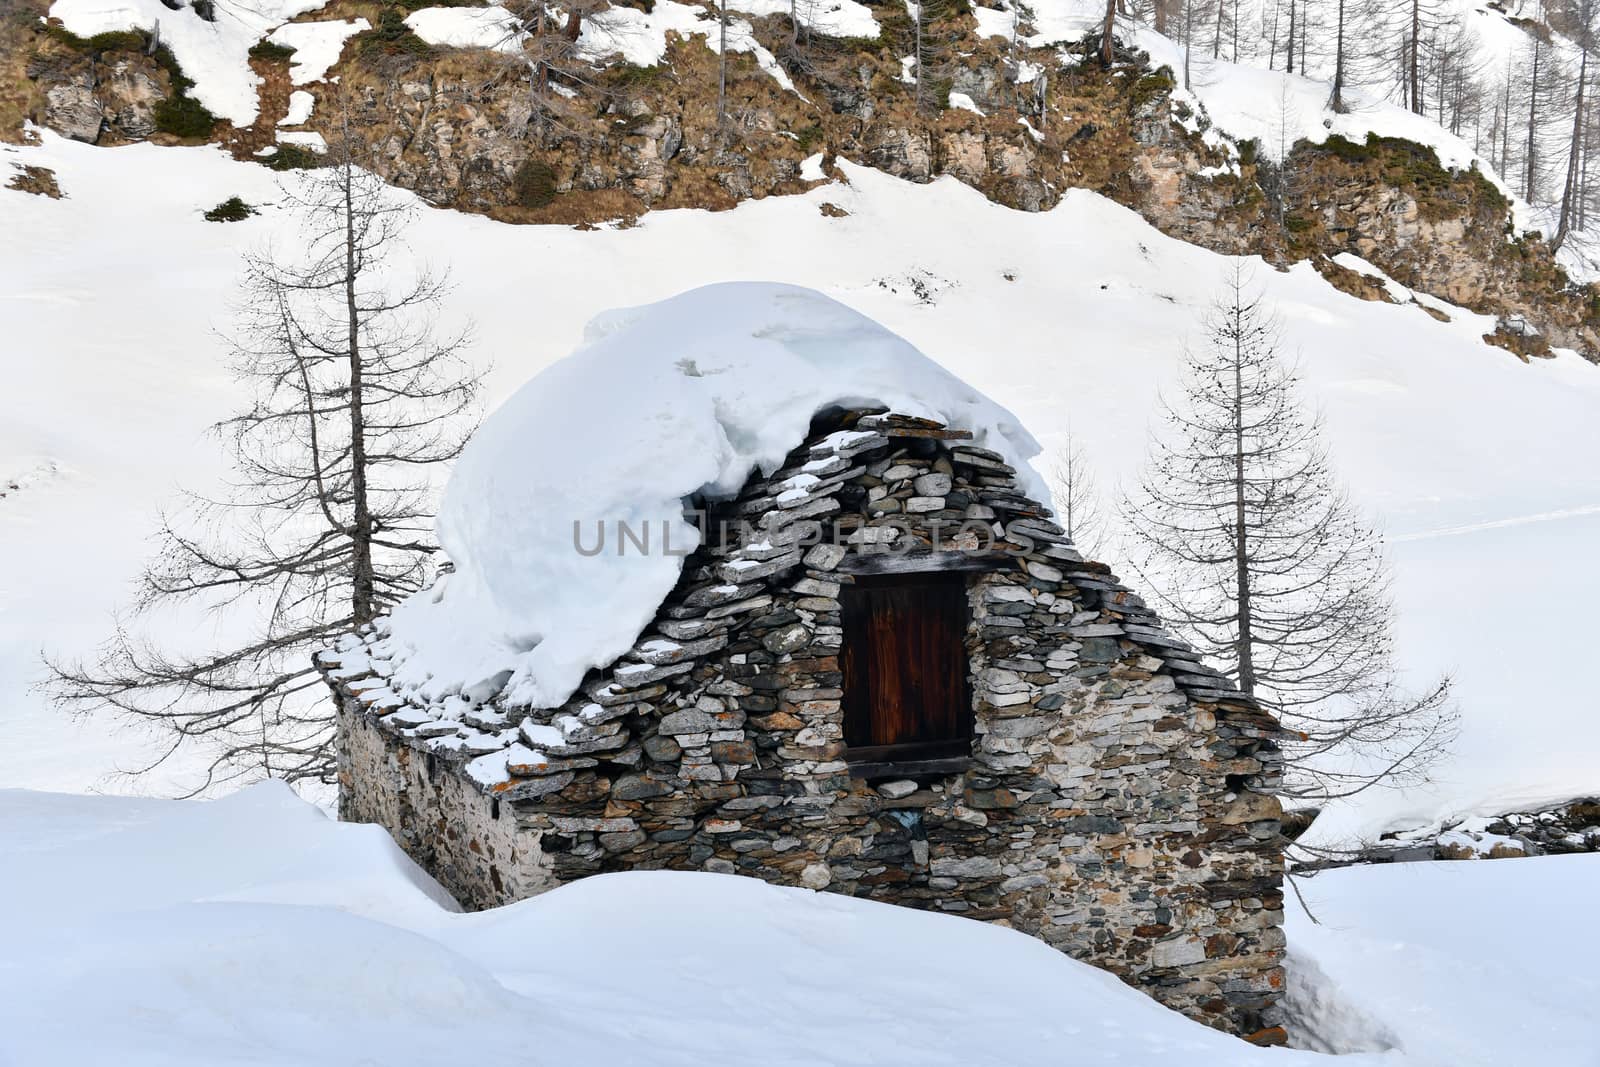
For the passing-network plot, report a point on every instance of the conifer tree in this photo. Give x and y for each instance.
(1257, 556)
(354, 403)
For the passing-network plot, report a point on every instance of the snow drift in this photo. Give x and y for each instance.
(252, 930)
(660, 404)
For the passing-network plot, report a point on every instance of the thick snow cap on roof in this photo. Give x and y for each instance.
(659, 403)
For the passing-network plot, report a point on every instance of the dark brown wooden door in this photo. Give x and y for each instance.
(905, 662)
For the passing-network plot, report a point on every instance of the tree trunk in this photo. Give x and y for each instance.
(1241, 545)
(1505, 124)
(1188, 38)
(1107, 51)
(1336, 100)
(1570, 190)
(1530, 164)
(1303, 35)
(1414, 63)
(1272, 45)
(1289, 59)
(918, 56)
(362, 606)
(722, 62)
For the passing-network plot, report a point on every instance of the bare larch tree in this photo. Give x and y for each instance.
(1583, 16)
(1259, 558)
(1077, 495)
(934, 39)
(326, 520)
(550, 49)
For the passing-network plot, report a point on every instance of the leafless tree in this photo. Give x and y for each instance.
(1336, 95)
(933, 41)
(1530, 155)
(1422, 22)
(722, 62)
(1260, 559)
(1337, 40)
(1288, 57)
(1572, 189)
(1077, 496)
(550, 52)
(326, 522)
(1188, 39)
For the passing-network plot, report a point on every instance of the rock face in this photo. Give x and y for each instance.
(1447, 234)
(459, 127)
(113, 99)
(1554, 831)
(1114, 799)
(457, 130)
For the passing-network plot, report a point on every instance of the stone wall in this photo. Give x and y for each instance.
(1117, 802)
(465, 838)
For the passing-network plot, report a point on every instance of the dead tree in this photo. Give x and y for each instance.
(1530, 159)
(326, 522)
(1572, 189)
(1267, 568)
(551, 52)
(1076, 494)
(722, 62)
(932, 44)
(1336, 101)
(921, 51)
(1289, 52)
(1423, 19)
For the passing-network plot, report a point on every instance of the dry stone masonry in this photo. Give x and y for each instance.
(1117, 801)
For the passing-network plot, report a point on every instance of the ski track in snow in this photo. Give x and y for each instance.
(1496, 524)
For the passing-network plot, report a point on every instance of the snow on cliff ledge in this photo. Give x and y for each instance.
(687, 396)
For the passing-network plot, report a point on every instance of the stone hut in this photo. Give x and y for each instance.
(885, 673)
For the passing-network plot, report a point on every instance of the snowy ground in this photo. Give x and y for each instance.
(254, 930)
(1482, 469)
(1456, 962)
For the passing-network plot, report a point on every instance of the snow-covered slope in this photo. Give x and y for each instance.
(1455, 963)
(254, 930)
(1483, 469)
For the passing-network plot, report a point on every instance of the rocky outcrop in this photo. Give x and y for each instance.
(459, 128)
(98, 97)
(41, 181)
(1443, 233)
(1558, 830)
(464, 129)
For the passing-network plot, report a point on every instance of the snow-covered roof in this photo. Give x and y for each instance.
(745, 577)
(661, 404)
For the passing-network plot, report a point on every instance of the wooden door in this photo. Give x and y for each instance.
(905, 663)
